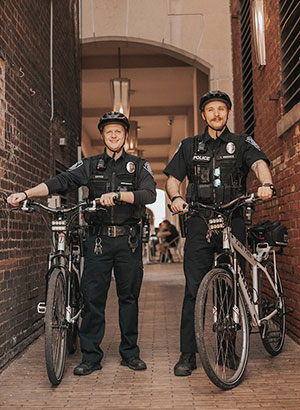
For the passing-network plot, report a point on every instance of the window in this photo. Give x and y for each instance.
(247, 86)
(289, 15)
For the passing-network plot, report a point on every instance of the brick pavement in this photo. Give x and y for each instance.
(269, 383)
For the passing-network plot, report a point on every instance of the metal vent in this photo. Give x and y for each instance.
(248, 108)
(289, 14)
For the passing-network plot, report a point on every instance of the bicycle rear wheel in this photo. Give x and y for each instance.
(55, 327)
(273, 333)
(223, 345)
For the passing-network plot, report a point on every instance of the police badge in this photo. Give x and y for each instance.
(130, 166)
(230, 148)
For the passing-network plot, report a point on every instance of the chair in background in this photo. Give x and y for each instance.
(173, 252)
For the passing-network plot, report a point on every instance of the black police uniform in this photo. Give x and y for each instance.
(113, 243)
(217, 172)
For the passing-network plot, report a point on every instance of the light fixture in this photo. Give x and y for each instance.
(121, 91)
(259, 32)
(132, 139)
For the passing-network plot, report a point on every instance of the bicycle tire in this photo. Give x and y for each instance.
(73, 328)
(55, 327)
(223, 346)
(273, 336)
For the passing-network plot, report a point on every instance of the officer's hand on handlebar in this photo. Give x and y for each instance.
(15, 199)
(178, 205)
(265, 192)
(108, 199)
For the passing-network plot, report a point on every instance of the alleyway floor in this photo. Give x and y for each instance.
(269, 383)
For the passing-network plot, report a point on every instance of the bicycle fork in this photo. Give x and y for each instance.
(235, 308)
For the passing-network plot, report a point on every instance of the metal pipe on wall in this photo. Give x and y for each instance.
(51, 61)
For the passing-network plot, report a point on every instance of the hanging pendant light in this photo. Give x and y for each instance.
(121, 91)
(132, 139)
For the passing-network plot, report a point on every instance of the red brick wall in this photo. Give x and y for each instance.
(28, 149)
(283, 151)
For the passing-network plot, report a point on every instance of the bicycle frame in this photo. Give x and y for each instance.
(62, 296)
(227, 307)
(231, 243)
(60, 259)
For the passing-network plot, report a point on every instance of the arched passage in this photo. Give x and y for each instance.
(165, 89)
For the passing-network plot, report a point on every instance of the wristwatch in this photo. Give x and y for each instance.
(175, 197)
(269, 185)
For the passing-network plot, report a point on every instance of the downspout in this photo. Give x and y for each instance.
(51, 61)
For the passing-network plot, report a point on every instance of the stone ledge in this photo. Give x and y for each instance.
(288, 120)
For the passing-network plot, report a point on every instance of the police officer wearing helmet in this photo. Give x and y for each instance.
(216, 163)
(124, 184)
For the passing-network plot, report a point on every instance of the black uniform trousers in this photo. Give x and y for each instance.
(198, 260)
(128, 272)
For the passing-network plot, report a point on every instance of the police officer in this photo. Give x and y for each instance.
(216, 164)
(124, 183)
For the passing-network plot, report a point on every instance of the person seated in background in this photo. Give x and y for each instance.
(169, 237)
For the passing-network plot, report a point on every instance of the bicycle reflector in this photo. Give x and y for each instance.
(215, 224)
(58, 226)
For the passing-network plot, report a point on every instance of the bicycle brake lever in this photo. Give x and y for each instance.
(185, 210)
(95, 205)
(25, 206)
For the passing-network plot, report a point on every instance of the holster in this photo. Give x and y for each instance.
(182, 224)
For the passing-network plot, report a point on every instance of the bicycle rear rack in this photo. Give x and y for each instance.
(41, 308)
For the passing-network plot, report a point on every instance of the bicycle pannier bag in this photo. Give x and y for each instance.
(274, 233)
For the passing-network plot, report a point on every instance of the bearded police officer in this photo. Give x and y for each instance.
(216, 164)
(124, 183)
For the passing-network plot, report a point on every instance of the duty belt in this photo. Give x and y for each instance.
(112, 231)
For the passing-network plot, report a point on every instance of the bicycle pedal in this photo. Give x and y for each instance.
(41, 308)
(264, 325)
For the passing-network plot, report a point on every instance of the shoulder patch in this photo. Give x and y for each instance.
(75, 166)
(178, 148)
(147, 167)
(251, 141)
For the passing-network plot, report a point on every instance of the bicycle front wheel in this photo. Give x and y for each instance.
(222, 342)
(76, 302)
(273, 332)
(55, 327)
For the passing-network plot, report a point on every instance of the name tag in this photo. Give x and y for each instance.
(227, 157)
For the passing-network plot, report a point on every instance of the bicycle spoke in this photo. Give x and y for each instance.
(223, 345)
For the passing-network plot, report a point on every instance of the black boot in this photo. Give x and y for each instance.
(134, 363)
(185, 365)
(85, 368)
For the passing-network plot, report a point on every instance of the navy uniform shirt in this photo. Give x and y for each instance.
(181, 162)
(79, 175)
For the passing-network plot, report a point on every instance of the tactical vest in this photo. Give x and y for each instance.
(104, 180)
(215, 176)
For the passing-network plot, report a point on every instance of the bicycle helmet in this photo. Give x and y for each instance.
(113, 117)
(216, 95)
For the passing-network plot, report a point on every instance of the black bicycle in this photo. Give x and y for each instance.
(63, 300)
(228, 306)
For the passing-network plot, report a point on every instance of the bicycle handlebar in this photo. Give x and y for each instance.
(87, 205)
(243, 199)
